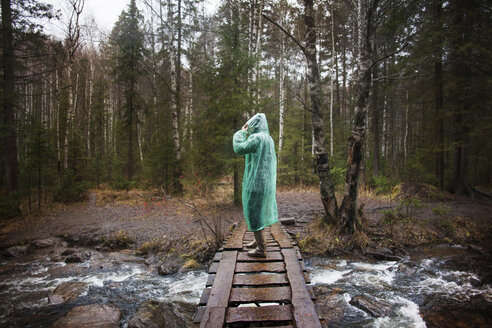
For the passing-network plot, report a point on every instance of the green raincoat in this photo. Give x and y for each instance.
(260, 173)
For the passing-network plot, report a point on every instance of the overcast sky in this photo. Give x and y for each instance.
(103, 12)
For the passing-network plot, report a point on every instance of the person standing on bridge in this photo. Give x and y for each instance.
(260, 179)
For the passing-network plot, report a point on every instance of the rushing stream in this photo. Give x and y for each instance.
(125, 280)
(404, 285)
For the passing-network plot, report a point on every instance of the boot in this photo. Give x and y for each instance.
(252, 244)
(259, 251)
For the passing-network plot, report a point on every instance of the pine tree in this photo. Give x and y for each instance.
(127, 39)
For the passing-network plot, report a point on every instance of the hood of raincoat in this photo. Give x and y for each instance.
(257, 123)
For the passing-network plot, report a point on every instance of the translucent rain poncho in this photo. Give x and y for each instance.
(260, 173)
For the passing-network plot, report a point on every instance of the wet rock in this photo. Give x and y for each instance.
(16, 251)
(43, 243)
(153, 314)
(477, 249)
(405, 269)
(372, 306)
(75, 258)
(68, 270)
(383, 250)
(67, 252)
(384, 256)
(8, 268)
(171, 265)
(56, 259)
(288, 221)
(94, 315)
(148, 315)
(151, 260)
(66, 292)
(78, 257)
(476, 312)
(331, 304)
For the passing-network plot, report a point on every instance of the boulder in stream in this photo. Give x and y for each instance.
(16, 251)
(94, 315)
(78, 257)
(382, 254)
(153, 314)
(475, 312)
(170, 265)
(66, 292)
(43, 243)
(372, 306)
(67, 252)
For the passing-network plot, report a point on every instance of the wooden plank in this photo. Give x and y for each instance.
(268, 243)
(270, 256)
(259, 314)
(235, 241)
(210, 280)
(281, 236)
(272, 248)
(205, 296)
(198, 314)
(217, 257)
(255, 265)
(214, 267)
(214, 315)
(303, 307)
(260, 279)
(260, 294)
(242, 267)
(249, 239)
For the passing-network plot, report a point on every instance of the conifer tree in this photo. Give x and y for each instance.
(127, 39)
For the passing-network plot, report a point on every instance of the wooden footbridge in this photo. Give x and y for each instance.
(242, 291)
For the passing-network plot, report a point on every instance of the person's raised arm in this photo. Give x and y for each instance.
(242, 144)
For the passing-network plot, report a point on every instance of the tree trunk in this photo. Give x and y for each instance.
(8, 115)
(175, 59)
(349, 220)
(281, 100)
(333, 63)
(236, 184)
(130, 128)
(327, 188)
(376, 145)
(438, 91)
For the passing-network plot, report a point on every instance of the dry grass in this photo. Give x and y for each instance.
(119, 240)
(320, 238)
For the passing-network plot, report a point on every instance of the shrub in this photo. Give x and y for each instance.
(441, 210)
(120, 240)
(71, 190)
(410, 204)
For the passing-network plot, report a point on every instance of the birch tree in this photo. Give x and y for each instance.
(327, 188)
(366, 17)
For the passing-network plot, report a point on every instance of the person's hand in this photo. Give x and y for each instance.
(245, 127)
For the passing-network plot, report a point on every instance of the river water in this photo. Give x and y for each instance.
(125, 280)
(405, 285)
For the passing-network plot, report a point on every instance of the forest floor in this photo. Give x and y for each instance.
(412, 216)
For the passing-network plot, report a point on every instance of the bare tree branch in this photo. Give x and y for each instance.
(193, 207)
(303, 49)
